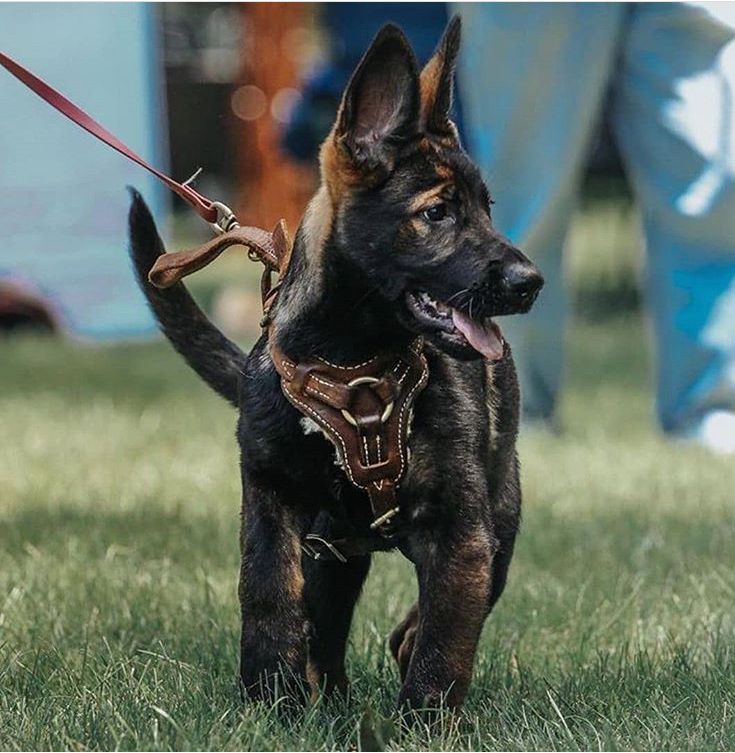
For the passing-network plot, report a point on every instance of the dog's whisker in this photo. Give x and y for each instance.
(456, 295)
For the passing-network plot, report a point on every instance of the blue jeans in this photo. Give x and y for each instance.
(532, 79)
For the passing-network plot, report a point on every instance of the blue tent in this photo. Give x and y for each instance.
(63, 202)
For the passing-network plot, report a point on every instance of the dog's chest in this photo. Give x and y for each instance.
(310, 428)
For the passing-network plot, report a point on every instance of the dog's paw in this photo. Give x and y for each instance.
(283, 686)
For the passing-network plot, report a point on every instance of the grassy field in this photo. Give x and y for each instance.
(118, 564)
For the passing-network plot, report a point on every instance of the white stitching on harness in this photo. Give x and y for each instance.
(407, 401)
(326, 397)
(321, 422)
(347, 368)
(321, 381)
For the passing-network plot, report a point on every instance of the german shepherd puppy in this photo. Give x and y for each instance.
(397, 241)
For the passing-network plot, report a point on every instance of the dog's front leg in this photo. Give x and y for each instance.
(273, 643)
(331, 592)
(454, 571)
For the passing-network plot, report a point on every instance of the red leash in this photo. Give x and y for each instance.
(219, 216)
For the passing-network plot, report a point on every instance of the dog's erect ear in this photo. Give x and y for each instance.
(380, 107)
(437, 82)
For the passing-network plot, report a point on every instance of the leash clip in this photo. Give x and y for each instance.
(226, 219)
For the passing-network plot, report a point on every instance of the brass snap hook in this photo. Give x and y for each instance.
(226, 219)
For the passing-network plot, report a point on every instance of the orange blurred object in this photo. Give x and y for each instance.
(271, 185)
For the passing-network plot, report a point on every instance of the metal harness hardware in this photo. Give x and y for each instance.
(364, 410)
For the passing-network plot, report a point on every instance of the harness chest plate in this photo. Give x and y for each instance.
(365, 411)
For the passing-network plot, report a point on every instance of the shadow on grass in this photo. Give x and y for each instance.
(547, 534)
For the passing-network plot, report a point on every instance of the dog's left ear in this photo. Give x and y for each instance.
(380, 107)
(437, 82)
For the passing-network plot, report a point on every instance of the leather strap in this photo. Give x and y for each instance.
(364, 410)
(272, 249)
(210, 211)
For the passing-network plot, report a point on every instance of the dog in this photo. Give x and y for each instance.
(397, 244)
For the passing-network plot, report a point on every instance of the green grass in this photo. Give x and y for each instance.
(118, 563)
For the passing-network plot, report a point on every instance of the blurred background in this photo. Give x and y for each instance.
(244, 91)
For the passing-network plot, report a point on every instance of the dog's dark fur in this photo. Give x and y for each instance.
(365, 241)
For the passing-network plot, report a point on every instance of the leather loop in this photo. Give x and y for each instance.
(369, 424)
(170, 268)
(386, 388)
(299, 373)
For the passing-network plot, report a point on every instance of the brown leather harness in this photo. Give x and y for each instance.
(364, 409)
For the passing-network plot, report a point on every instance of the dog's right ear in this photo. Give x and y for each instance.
(380, 107)
(437, 82)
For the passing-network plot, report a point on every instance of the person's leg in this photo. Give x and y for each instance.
(532, 77)
(676, 127)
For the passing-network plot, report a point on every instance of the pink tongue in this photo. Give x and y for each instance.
(486, 340)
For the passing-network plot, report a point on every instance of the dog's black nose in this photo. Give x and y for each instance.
(522, 280)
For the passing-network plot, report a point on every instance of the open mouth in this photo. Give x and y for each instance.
(454, 328)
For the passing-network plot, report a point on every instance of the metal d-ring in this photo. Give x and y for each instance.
(356, 383)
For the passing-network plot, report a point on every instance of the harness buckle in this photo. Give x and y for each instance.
(386, 517)
(310, 546)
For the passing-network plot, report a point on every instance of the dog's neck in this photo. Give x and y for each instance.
(328, 308)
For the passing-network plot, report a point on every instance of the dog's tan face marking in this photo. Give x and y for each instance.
(416, 226)
(415, 223)
(338, 172)
(443, 171)
(426, 199)
(317, 222)
(430, 81)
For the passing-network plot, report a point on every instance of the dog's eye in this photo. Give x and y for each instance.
(436, 213)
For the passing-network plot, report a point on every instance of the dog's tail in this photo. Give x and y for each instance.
(217, 360)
